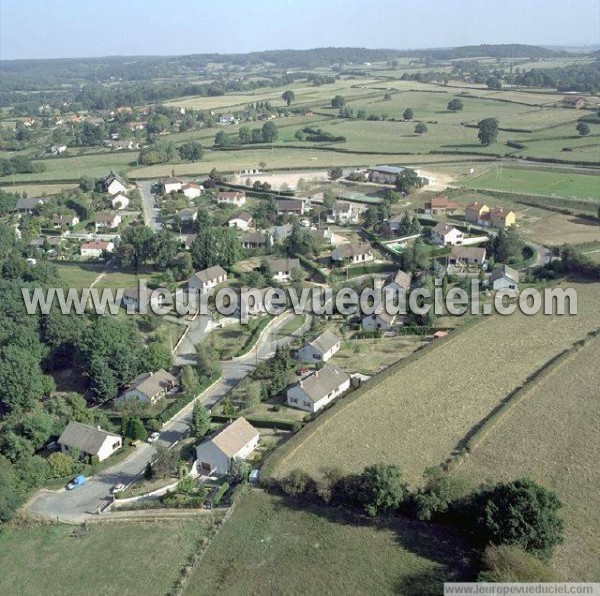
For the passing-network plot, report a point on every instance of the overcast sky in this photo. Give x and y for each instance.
(78, 28)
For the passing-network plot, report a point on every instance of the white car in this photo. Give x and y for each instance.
(153, 437)
(117, 488)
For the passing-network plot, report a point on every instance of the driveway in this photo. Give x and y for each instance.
(149, 210)
(77, 505)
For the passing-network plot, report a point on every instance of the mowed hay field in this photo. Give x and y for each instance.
(107, 558)
(553, 436)
(270, 547)
(420, 412)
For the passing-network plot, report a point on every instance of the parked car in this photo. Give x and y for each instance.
(77, 481)
(117, 488)
(302, 371)
(153, 437)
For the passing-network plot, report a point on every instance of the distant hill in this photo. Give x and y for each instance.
(515, 50)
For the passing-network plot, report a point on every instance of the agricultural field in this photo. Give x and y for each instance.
(543, 181)
(552, 437)
(60, 559)
(557, 229)
(38, 190)
(420, 410)
(268, 546)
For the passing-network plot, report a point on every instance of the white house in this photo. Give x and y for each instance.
(95, 249)
(171, 185)
(226, 119)
(188, 214)
(446, 235)
(191, 190)
(238, 198)
(108, 221)
(319, 349)
(242, 221)
(237, 440)
(378, 322)
(89, 440)
(282, 268)
(113, 184)
(149, 387)
(119, 200)
(354, 252)
(343, 213)
(318, 389)
(467, 255)
(504, 277)
(207, 278)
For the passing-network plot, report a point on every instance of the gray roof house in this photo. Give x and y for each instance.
(282, 268)
(504, 277)
(207, 278)
(89, 440)
(319, 349)
(150, 387)
(354, 252)
(28, 205)
(318, 389)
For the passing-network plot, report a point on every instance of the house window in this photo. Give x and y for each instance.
(317, 356)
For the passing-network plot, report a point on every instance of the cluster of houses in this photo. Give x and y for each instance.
(498, 217)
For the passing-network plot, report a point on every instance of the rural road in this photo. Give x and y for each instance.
(543, 255)
(150, 212)
(77, 505)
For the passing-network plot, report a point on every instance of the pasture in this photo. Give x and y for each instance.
(271, 547)
(61, 559)
(420, 410)
(552, 436)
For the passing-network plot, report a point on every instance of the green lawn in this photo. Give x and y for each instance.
(79, 276)
(110, 558)
(270, 547)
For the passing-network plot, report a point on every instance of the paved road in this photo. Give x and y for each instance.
(149, 210)
(78, 504)
(543, 255)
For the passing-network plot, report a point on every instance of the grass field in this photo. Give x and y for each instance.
(420, 413)
(560, 229)
(552, 437)
(111, 558)
(268, 547)
(543, 182)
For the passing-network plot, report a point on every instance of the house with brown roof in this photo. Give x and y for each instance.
(237, 198)
(191, 190)
(501, 218)
(60, 221)
(89, 440)
(475, 212)
(236, 440)
(574, 101)
(467, 255)
(207, 279)
(241, 221)
(445, 235)
(107, 221)
(149, 387)
(319, 349)
(440, 206)
(353, 252)
(314, 392)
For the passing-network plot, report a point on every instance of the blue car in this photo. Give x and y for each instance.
(78, 481)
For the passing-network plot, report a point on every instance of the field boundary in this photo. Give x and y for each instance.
(480, 432)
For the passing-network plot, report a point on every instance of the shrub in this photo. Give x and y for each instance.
(382, 489)
(297, 483)
(512, 564)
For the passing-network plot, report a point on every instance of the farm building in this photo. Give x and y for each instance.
(318, 389)
(236, 440)
(504, 277)
(384, 174)
(149, 387)
(89, 440)
(319, 349)
(207, 278)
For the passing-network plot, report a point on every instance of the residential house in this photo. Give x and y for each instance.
(378, 322)
(384, 174)
(188, 214)
(52, 241)
(60, 221)
(149, 387)
(504, 277)
(440, 206)
(395, 222)
(113, 184)
(235, 198)
(343, 213)
(476, 213)
(242, 221)
(57, 149)
(282, 268)
(119, 200)
(325, 237)
(95, 249)
(207, 278)
(171, 185)
(279, 233)
(446, 235)
(28, 205)
(121, 145)
(131, 299)
(319, 349)
(467, 255)
(254, 240)
(191, 190)
(353, 252)
(502, 218)
(315, 391)
(107, 221)
(574, 101)
(290, 207)
(400, 281)
(89, 440)
(236, 440)
(226, 119)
